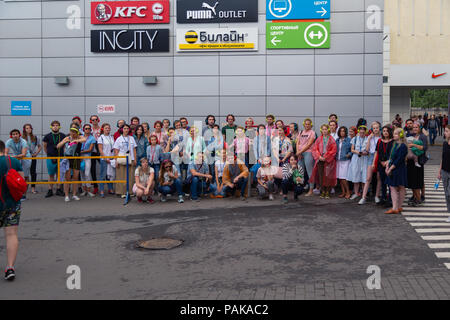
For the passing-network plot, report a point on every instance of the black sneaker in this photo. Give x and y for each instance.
(10, 274)
(60, 193)
(422, 199)
(49, 193)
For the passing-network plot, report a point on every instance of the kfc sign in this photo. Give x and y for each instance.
(130, 12)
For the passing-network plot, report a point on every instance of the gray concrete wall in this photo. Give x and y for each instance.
(36, 46)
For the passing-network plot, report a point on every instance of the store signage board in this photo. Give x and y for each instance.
(21, 108)
(297, 9)
(298, 35)
(217, 11)
(217, 39)
(130, 12)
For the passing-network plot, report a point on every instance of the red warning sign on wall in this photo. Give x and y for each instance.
(130, 12)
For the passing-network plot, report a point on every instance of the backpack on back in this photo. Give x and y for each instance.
(17, 185)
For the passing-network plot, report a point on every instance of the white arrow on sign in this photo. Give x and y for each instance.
(323, 11)
(275, 41)
(319, 35)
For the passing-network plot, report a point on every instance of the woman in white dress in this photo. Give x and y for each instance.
(357, 172)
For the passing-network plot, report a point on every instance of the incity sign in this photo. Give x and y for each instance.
(123, 40)
(217, 11)
(130, 12)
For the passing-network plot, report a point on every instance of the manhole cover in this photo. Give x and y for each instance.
(159, 244)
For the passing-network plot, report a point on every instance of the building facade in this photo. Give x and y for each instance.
(42, 42)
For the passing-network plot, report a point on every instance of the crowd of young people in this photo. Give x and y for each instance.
(207, 159)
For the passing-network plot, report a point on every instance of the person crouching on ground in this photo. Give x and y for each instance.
(235, 176)
(145, 181)
(293, 178)
(169, 181)
(199, 177)
(324, 153)
(266, 179)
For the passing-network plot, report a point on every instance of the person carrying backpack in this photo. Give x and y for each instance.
(12, 187)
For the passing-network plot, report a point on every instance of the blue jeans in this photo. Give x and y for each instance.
(174, 187)
(288, 184)
(240, 185)
(254, 170)
(156, 167)
(103, 170)
(200, 187)
(433, 134)
(307, 163)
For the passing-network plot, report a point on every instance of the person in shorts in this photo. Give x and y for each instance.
(17, 148)
(9, 212)
(50, 142)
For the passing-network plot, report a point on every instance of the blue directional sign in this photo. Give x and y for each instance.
(21, 108)
(297, 9)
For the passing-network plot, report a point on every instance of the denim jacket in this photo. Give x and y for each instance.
(346, 153)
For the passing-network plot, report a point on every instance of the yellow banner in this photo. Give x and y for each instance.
(217, 46)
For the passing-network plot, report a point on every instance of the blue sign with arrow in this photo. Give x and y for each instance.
(297, 9)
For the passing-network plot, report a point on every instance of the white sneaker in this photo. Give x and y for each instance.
(316, 191)
(76, 198)
(418, 165)
(180, 199)
(354, 196)
(377, 200)
(163, 198)
(83, 194)
(362, 201)
(448, 220)
(90, 194)
(333, 191)
(66, 199)
(270, 197)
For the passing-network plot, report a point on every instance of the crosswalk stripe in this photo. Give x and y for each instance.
(434, 230)
(433, 204)
(439, 245)
(435, 238)
(443, 255)
(425, 219)
(447, 265)
(430, 209)
(428, 224)
(426, 214)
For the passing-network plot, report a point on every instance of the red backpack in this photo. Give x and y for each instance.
(17, 186)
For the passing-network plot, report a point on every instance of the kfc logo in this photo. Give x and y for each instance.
(103, 12)
(130, 12)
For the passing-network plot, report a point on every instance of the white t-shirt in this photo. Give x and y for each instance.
(125, 145)
(220, 165)
(108, 144)
(265, 172)
(143, 177)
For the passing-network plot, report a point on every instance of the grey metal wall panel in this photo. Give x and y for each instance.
(59, 106)
(5, 105)
(339, 85)
(163, 88)
(20, 10)
(106, 86)
(373, 106)
(290, 85)
(21, 87)
(243, 86)
(243, 106)
(238, 65)
(107, 66)
(373, 85)
(339, 64)
(344, 43)
(75, 88)
(196, 106)
(151, 106)
(193, 66)
(343, 106)
(58, 9)
(63, 67)
(70, 47)
(151, 66)
(196, 86)
(16, 67)
(14, 29)
(57, 28)
(290, 106)
(374, 42)
(347, 22)
(8, 123)
(373, 64)
(290, 65)
(20, 48)
(346, 5)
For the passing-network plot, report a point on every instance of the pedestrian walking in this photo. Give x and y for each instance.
(444, 172)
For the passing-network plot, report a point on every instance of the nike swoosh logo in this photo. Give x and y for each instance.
(438, 75)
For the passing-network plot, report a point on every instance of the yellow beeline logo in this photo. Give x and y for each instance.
(191, 38)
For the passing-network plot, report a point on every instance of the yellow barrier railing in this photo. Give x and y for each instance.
(73, 158)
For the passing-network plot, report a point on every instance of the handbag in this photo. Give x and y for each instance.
(123, 161)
